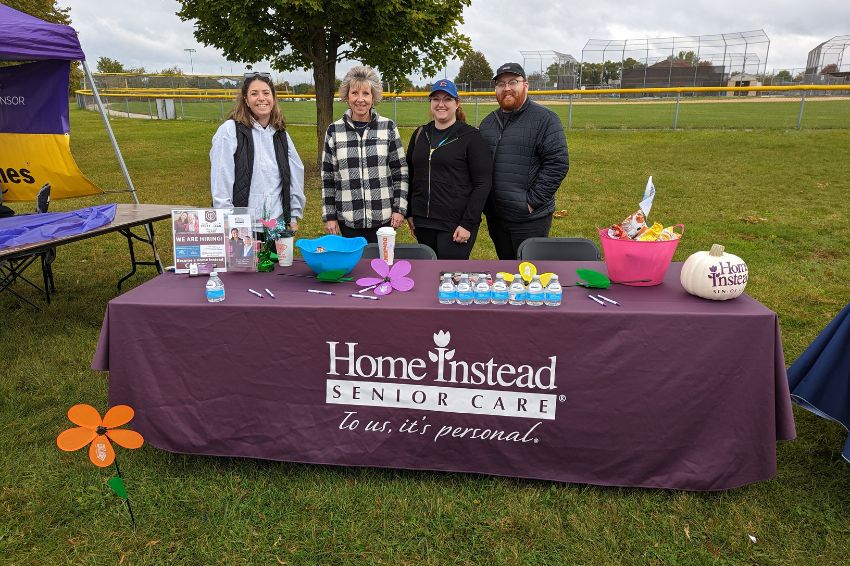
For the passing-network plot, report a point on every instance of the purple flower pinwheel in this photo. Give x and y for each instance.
(394, 277)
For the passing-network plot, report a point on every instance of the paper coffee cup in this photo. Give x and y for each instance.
(285, 250)
(386, 244)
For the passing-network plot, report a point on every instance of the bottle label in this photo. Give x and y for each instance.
(482, 295)
(500, 295)
(446, 295)
(213, 294)
(553, 296)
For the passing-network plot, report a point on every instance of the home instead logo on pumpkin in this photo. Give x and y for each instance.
(403, 381)
(728, 274)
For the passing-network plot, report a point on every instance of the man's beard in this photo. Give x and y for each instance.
(516, 102)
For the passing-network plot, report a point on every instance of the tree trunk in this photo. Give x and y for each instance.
(324, 75)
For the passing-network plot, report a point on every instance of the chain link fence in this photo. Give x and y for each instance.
(779, 107)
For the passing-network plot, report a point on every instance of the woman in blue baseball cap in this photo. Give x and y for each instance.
(450, 170)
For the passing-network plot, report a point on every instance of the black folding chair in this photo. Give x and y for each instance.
(12, 268)
(402, 251)
(563, 249)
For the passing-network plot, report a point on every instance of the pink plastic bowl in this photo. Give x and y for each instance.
(632, 262)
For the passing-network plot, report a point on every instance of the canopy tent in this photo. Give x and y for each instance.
(27, 38)
(34, 142)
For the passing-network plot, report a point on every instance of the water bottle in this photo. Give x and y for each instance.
(215, 288)
(482, 291)
(499, 294)
(535, 292)
(464, 290)
(553, 293)
(447, 293)
(516, 293)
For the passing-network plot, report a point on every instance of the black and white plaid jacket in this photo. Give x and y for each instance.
(364, 179)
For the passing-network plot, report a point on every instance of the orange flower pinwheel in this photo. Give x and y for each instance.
(92, 429)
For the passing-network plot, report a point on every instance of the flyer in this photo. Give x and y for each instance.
(241, 245)
(199, 238)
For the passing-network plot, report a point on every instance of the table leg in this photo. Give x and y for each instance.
(130, 235)
(12, 270)
(47, 258)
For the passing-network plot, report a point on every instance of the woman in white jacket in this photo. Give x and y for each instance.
(253, 161)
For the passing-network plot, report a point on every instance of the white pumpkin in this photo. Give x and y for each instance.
(714, 274)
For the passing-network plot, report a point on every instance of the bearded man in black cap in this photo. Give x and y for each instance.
(530, 160)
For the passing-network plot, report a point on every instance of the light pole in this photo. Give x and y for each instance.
(191, 66)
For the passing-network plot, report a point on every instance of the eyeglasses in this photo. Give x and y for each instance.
(256, 74)
(511, 83)
(441, 99)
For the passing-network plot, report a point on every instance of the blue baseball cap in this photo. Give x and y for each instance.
(446, 86)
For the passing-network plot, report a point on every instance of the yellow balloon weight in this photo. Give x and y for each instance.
(527, 270)
(545, 277)
(506, 276)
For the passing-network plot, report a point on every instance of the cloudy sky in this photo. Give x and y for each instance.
(147, 33)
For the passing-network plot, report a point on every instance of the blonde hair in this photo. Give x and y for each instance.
(242, 114)
(362, 75)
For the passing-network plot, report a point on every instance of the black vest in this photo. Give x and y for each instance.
(243, 161)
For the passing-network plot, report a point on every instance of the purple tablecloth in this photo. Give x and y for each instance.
(667, 391)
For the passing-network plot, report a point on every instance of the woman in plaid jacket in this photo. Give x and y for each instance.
(364, 173)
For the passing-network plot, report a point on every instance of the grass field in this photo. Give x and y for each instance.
(818, 113)
(778, 198)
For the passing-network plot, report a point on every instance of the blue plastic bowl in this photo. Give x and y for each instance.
(340, 253)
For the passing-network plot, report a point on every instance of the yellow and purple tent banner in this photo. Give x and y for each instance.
(35, 145)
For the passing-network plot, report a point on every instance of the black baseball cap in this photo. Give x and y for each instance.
(514, 68)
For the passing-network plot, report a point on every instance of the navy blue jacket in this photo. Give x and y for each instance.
(530, 159)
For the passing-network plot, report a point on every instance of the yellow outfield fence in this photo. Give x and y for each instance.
(230, 93)
(173, 103)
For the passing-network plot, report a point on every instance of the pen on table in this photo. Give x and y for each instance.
(270, 294)
(255, 293)
(597, 300)
(320, 292)
(371, 298)
(612, 301)
(364, 289)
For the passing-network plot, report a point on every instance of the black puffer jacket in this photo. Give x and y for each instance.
(530, 159)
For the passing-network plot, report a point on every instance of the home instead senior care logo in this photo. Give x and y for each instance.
(407, 383)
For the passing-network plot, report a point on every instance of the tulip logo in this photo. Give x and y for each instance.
(441, 339)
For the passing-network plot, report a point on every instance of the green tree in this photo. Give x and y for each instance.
(610, 71)
(591, 73)
(401, 85)
(474, 68)
(552, 71)
(783, 76)
(536, 80)
(107, 65)
(688, 57)
(305, 88)
(46, 10)
(173, 70)
(632, 63)
(398, 38)
(561, 74)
